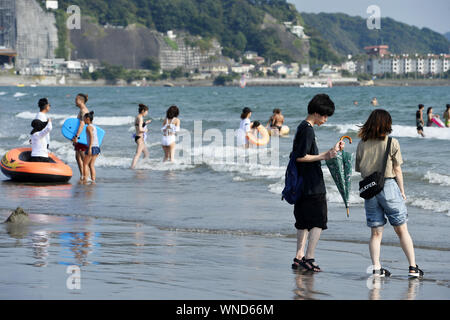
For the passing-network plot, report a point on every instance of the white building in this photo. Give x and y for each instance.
(51, 5)
(242, 68)
(349, 66)
(430, 64)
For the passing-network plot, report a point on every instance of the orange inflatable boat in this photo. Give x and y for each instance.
(16, 165)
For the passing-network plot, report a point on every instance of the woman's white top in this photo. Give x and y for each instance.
(43, 117)
(94, 136)
(244, 127)
(39, 142)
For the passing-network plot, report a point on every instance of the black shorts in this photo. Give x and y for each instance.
(311, 212)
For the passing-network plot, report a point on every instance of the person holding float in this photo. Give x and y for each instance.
(276, 123)
(80, 149)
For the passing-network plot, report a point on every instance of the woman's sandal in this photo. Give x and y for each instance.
(297, 264)
(309, 265)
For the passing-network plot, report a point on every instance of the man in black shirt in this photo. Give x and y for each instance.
(310, 210)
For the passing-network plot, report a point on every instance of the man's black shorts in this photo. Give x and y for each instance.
(311, 212)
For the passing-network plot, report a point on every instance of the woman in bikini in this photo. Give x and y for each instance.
(140, 134)
(171, 126)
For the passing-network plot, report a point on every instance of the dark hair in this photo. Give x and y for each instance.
(256, 124)
(245, 112)
(377, 126)
(321, 104)
(172, 112)
(84, 96)
(429, 110)
(277, 111)
(90, 115)
(38, 125)
(448, 106)
(421, 106)
(142, 107)
(43, 103)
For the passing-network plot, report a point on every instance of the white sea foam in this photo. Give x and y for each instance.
(3, 93)
(101, 121)
(440, 206)
(19, 94)
(397, 131)
(436, 178)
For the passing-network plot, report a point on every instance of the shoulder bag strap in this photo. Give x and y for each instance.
(386, 156)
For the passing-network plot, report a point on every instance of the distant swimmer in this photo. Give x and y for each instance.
(141, 134)
(419, 120)
(355, 103)
(171, 126)
(276, 121)
(447, 116)
(374, 102)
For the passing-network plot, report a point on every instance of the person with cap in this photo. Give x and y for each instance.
(39, 147)
(244, 128)
(44, 109)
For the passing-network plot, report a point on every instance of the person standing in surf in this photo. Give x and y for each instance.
(447, 116)
(171, 126)
(310, 210)
(419, 120)
(431, 116)
(276, 121)
(93, 148)
(244, 128)
(390, 202)
(140, 135)
(80, 149)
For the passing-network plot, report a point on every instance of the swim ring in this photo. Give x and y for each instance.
(15, 165)
(265, 138)
(283, 132)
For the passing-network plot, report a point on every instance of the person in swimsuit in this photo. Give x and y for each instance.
(430, 116)
(93, 148)
(244, 127)
(140, 135)
(447, 116)
(419, 120)
(171, 126)
(80, 149)
(374, 102)
(276, 121)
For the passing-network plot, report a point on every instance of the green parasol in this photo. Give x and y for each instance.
(341, 171)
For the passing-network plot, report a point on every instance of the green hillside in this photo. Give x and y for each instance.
(349, 35)
(235, 23)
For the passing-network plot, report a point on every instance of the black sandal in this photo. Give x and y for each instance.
(297, 264)
(309, 265)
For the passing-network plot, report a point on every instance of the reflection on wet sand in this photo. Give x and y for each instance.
(377, 284)
(33, 191)
(305, 286)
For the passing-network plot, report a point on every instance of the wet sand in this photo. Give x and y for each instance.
(128, 260)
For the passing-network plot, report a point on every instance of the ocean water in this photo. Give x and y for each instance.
(206, 192)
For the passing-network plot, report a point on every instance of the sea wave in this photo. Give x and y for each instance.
(436, 178)
(3, 93)
(439, 206)
(397, 131)
(101, 121)
(19, 94)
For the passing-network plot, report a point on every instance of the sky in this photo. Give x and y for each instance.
(433, 14)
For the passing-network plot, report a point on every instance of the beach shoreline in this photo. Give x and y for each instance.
(53, 81)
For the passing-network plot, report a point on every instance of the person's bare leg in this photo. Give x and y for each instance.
(406, 243)
(375, 246)
(172, 152)
(139, 149)
(302, 235)
(85, 173)
(313, 239)
(92, 168)
(166, 153)
(79, 157)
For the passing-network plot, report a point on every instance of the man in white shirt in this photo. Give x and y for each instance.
(44, 107)
(39, 145)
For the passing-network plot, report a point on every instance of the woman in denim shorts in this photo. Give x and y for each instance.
(389, 204)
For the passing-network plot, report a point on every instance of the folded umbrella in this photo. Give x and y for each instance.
(341, 171)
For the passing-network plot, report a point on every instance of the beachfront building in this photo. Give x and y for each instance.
(242, 68)
(403, 64)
